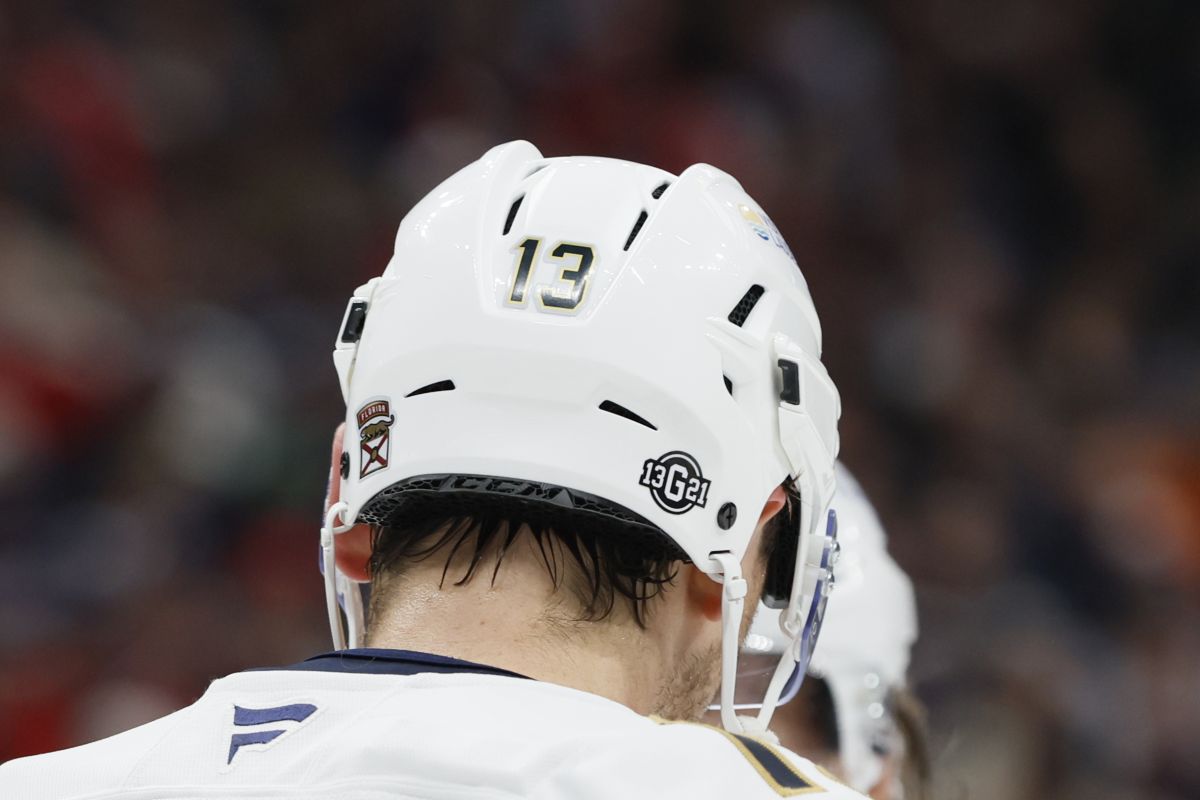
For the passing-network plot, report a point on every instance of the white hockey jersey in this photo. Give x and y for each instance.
(375, 724)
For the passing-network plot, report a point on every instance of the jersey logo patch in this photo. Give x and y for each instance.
(675, 482)
(262, 737)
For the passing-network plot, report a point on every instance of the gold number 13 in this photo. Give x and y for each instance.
(577, 267)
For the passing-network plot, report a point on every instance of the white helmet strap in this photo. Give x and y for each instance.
(733, 600)
(341, 592)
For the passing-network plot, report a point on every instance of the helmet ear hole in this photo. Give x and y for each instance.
(784, 532)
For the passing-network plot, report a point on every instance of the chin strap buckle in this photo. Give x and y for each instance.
(735, 587)
(731, 576)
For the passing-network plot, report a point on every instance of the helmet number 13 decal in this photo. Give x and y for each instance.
(575, 262)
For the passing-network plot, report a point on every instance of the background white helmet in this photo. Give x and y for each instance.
(603, 336)
(869, 629)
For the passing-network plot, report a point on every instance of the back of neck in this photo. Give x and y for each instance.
(519, 623)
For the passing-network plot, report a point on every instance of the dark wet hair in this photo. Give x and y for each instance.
(599, 560)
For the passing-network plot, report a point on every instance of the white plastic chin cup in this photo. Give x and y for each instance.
(755, 671)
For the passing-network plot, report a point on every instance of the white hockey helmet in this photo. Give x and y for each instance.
(869, 629)
(603, 336)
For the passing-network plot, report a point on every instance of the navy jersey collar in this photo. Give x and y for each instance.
(381, 661)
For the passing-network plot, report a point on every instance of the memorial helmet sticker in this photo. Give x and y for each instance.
(675, 482)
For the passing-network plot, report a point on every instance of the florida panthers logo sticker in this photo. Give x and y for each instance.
(375, 432)
(675, 482)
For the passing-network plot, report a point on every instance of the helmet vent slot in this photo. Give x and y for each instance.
(637, 226)
(749, 300)
(622, 411)
(440, 386)
(728, 385)
(658, 190)
(512, 214)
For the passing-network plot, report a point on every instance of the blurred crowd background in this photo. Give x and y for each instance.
(997, 205)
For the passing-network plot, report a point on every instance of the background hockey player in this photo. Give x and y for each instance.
(854, 713)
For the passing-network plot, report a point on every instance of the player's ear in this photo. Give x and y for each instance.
(351, 549)
(703, 591)
(775, 503)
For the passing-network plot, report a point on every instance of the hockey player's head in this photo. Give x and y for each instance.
(600, 365)
(532, 573)
(854, 711)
